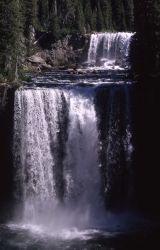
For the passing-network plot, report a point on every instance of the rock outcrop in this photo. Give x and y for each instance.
(57, 53)
(39, 60)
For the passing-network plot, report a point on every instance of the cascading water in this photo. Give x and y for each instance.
(58, 148)
(73, 143)
(55, 153)
(109, 50)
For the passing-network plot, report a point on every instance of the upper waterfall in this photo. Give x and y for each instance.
(109, 50)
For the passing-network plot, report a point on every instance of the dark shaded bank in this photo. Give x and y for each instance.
(6, 162)
(147, 161)
(146, 59)
(145, 53)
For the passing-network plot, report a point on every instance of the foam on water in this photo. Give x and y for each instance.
(109, 51)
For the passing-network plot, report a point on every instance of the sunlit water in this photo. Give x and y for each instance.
(109, 51)
(65, 229)
(64, 136)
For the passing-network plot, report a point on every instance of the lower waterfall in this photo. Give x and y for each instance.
(72, 153)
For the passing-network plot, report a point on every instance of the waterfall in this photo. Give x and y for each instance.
(109, 50)
(71, 146)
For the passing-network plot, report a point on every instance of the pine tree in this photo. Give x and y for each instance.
(88, 15)
(30, 14)
(21, 17)
(80, 19)
(128, 12)
(10, 33)
(54, 26)
(100, 20)
(107, 13)
(70, 14)
(94, 20)
(42, 14)
(118, 15)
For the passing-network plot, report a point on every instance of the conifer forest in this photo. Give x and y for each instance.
(79, 124)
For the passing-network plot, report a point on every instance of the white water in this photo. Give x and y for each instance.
(109, 50)
(56, 155)
(73, 146)
(39, 120)
(81, 173)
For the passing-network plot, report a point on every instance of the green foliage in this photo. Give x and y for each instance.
(100, 19)
(80, 19)
(43, 14)
(29, 9)
(71, 15)
(129, 14)
(24, 77)
(78, 15)
(2, 78)
(88, 15)
(107, 13)
(119, 21)
(20, 18)
(10, 29)
(54, 26)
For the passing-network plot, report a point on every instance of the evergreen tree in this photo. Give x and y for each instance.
(118, 17)
(54, 26)
(69, 14)
(94, 20)
(42, 9)
(107, 13)
(30, 14)
(128, 12)
(21, 17)
(9, 33)
(80, 19)
(100, 20)
(88, 15)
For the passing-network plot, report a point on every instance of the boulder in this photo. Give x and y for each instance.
(36, 59)
(39, 61)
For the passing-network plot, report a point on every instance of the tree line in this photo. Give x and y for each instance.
(61, 17)
(85, 16)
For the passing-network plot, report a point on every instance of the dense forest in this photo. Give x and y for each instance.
(20, 18)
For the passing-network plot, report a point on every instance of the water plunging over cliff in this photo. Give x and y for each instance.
(73, 151)
(73, 142)
(109, 50)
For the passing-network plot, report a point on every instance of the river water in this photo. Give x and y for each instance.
(73, 151)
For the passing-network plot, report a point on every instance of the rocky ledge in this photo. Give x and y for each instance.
(65, 52)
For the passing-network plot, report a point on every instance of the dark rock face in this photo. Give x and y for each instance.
(145, 57)
(146, 49)
(146, 127)
(6, 131)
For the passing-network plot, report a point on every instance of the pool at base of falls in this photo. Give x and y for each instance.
(31, 237)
